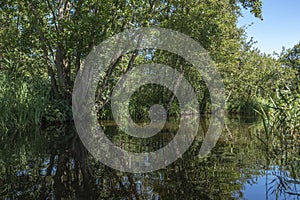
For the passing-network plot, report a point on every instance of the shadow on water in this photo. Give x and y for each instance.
(53, 164)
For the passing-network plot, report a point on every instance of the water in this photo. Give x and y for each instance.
(53, 164)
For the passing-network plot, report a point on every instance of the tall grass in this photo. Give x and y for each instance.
(23, 98)
(281, 121)
(282, 139)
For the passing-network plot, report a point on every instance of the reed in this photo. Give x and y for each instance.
(281, 121)
(23, 101)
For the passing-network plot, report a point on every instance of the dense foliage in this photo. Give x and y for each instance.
(281, 110)
(43, 45)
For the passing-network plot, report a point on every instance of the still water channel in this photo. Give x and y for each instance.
(52, 163)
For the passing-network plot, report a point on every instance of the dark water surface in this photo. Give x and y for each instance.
(53, 164)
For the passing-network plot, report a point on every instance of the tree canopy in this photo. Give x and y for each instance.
(48, 41)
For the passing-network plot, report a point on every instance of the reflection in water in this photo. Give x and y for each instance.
(53, 164)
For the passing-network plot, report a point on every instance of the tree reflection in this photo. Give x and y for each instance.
(53, 164)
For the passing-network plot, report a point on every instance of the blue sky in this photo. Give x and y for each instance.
(280, 27)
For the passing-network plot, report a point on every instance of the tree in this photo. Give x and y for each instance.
(52, 38)
(291, 58)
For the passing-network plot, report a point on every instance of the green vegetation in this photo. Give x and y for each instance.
(281, 110)
(23, 97)
(43, 45)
